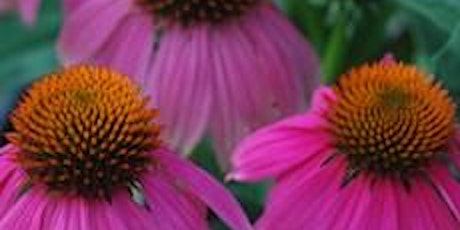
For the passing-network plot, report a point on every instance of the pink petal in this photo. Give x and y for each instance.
(134, 215)
(171, 205)
(12, 178)
(378, 207)
(422, 208)
(388, 59)
(454, 147)
(272, 150)
(322, 99)
(289, 61)
(244, 102)
(448, 187)
(70, 6)
(130, 47)
(37, 210)
(29, 9)
(252, 47)
(25, 215)
(107, 217)
(206, 189)
(315, 199)
(180, 85)
(89, 27)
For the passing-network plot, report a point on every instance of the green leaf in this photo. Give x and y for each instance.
(436, 24)
(333, 58)
(370, 32)
(26, 53)
(442, 13)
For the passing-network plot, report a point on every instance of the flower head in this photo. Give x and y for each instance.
(374, 151)
(390, 119)
(193, 57)
(84, 139)
(84, 134)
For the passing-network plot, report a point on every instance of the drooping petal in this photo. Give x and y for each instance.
(135, 215)
(24, 215)
(172, 206)
(241, 91)
(35, 208)
(179, 84)
(423, 208)
(130, 47)
(259, 78)
(202, 185)
(38, 209)
(88, 28)
(289, 60)
(12, 178)
(374, 200)
(108, 217)
(317, 199)
(454, 147)
(60, 212)
(448, 188)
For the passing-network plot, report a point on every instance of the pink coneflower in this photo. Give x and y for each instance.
(376, 151)
(27, 8)
(85, 154)
(223, 66)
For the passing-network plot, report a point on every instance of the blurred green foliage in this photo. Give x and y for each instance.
(344, 33)
(436, 28)
(25, 54)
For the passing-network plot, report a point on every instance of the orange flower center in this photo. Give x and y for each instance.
(85, 131)
(391, 118)
(189, 11)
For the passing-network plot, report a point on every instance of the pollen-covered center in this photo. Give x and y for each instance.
(84, 131)
(189, 11)
(391, 118)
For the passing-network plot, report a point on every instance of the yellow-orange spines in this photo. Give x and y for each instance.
(391, 118)
(189, 11)
(85, 131)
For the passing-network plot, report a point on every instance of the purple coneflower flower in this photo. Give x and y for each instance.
(378, 150)
(27, 8)
(85, 154)
(222, 66)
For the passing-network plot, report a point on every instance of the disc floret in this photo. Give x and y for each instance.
(391, 119)
(190, 11)
(85, 131)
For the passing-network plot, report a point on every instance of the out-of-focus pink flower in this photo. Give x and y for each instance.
(374, 152)
(227, 69)
(85, 154)
(27, 8)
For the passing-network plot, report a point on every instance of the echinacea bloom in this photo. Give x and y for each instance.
(378, 150)
(85, 154)
(225, 67)
(27, 8)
